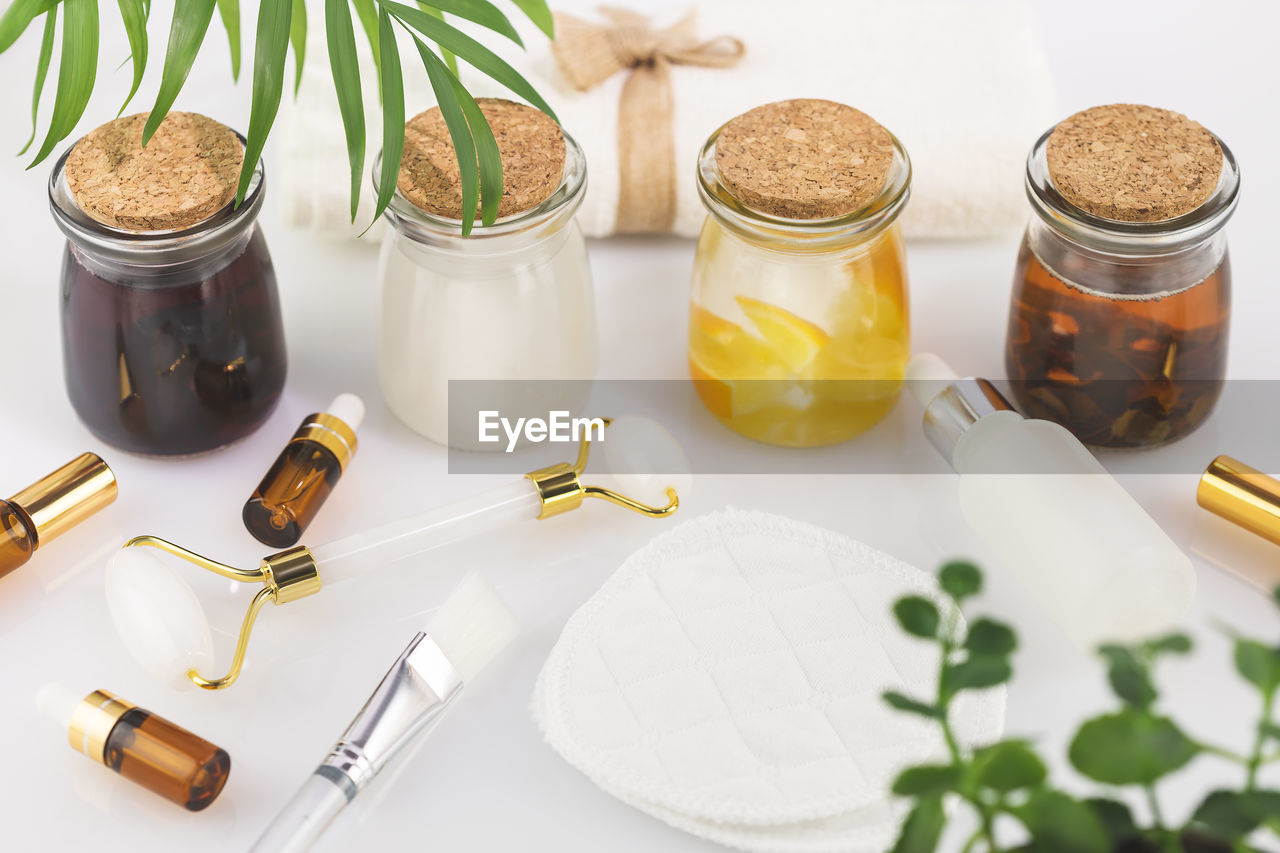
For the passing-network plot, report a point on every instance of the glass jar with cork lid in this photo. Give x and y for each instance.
(511, 304)
(172, 338)
(798, 329)
(1122, 293)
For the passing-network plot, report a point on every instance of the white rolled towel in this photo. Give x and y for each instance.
(965, 86)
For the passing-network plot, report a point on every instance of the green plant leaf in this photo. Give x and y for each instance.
(1275, 593)
(77, 69)
(1059, 823)
(908, 705)
(271, 46)
(18, 17)
(340, 36)
(1116, 819)
(917, 616)
(923, 827)
(392, 113)
(459, 131)
(186, 34)
(368, 15)
(473, 52)
(928, 779)
(1258, 664)
(976, 672)
(1235, 814)
(480, 12)
(1129, 677)
(538, 12)
(989, 637)
(1007, 766)
(960, 579)
(134, 17)
(298, 38)
(1269, 729)
(1130, 747)
(487, 155)
(42, 71)
(229, 11)
(1178, 644)
(450, 60)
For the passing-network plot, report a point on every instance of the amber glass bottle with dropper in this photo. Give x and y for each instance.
(51, 506)
(305, 472)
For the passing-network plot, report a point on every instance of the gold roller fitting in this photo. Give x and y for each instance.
(560, 487)
(285, 576)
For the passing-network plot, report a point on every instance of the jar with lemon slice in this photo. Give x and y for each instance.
(798, 328)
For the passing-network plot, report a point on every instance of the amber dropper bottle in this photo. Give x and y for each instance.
(304, 474)
(140, 746)
(52, 506)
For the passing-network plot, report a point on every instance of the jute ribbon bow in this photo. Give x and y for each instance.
(588, 54)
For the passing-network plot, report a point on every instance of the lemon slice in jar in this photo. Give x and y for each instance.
(794, 340)
(859, 368)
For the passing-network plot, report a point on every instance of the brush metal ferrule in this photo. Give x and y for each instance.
(418, 687)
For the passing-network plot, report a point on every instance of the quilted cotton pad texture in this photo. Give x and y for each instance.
(727, 679)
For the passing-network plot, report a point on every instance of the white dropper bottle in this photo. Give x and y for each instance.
(1048, 510)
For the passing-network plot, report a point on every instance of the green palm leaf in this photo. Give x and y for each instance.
(449, 59)
(481, 12)
(341, 38)
(186, 34)
(42, 71)
(468, 49)
(486, 153)
(16, 19)
(368, 15)
(392, 113)
(229, 11)
(271, 47)
(77, 69)
(298, 38)
(459, 131)
(134, 16)
(538, 12)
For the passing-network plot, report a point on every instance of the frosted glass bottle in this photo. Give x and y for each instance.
(1047, 509)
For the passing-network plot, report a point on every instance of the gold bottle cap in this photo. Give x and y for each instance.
(330, 432)
(1242, 495)
(92, 722)
(68, 496)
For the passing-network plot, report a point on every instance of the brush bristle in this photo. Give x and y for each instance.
(472, 626)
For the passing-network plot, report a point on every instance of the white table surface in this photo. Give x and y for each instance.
(487, 782)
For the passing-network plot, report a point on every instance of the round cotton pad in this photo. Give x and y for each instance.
(730, 673)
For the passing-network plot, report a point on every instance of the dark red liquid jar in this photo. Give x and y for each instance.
(172, 341)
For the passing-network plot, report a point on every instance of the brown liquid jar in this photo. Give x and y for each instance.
(142, 747)
(172, 337)
(1121, 304)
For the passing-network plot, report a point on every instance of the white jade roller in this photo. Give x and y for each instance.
(164, 626)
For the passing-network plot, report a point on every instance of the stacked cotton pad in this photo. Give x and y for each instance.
(727, 680)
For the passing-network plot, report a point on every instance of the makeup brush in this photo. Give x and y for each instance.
(464, 635)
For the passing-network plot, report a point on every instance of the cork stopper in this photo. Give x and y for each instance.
(804, 159)
(1133, 163)
(530, 142)
(187, 172)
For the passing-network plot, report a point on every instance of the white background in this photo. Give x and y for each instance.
(486, 781)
